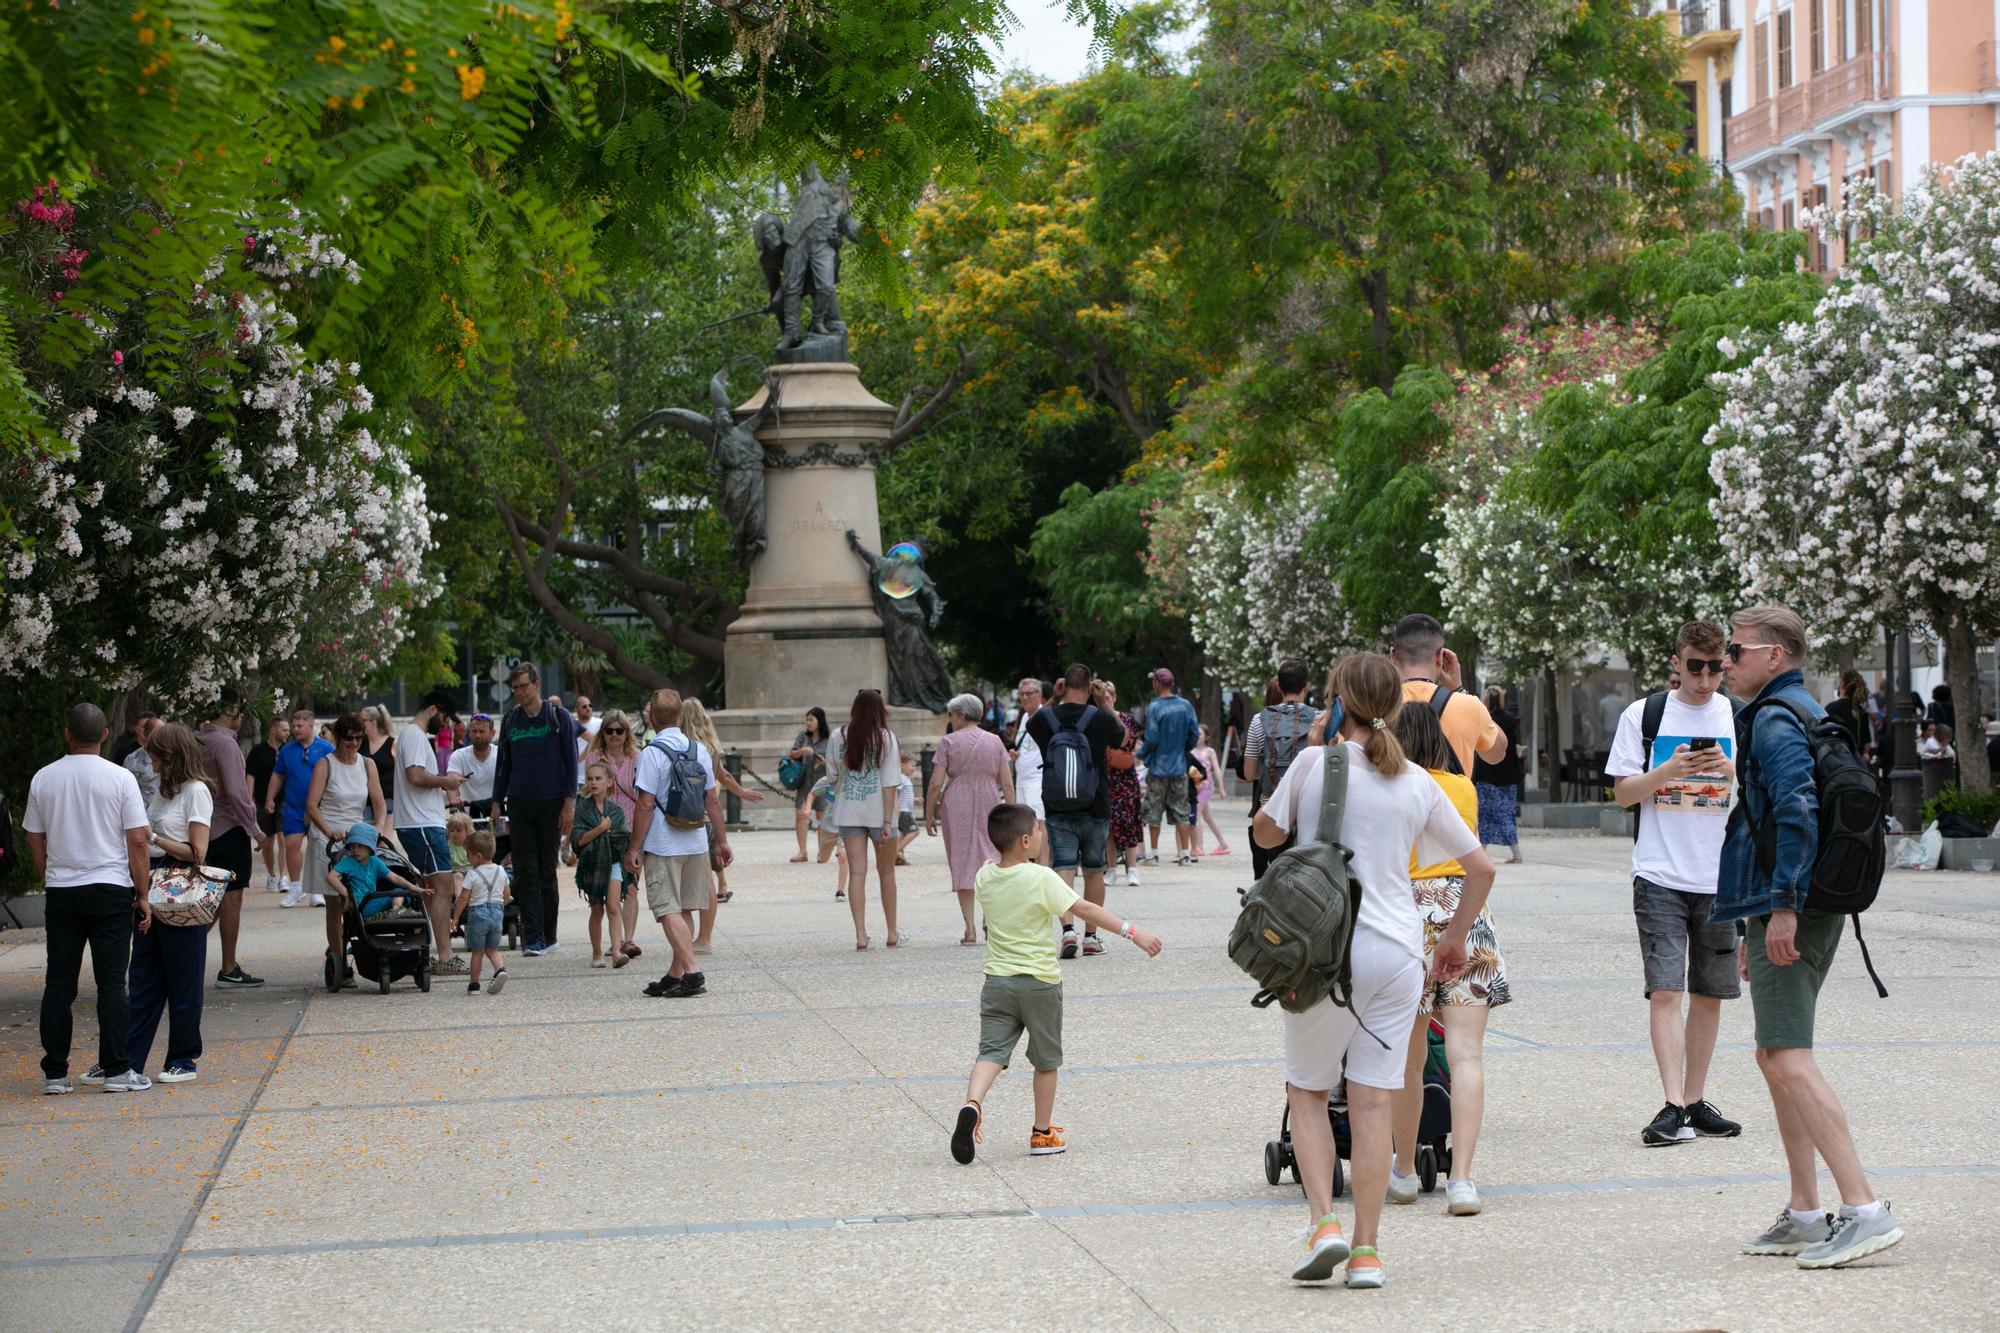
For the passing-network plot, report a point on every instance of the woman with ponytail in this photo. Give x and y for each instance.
(1392, 806)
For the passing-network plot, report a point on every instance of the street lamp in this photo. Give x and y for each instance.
(1906, 779)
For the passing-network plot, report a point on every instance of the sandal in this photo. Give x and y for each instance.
(970, 941)
(725, 895)
(861, 944)
(632, 950)
(893, 940)
(799, 860)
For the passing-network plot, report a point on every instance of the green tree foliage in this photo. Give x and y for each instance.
(1091, 555)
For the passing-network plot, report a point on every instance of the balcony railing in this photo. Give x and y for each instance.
(1989, 67)
(1868, 77)
(1698, 19)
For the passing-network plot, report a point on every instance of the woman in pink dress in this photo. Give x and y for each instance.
(970, 777)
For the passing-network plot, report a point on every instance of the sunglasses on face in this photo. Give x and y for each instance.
(1736, 650)
(1703, 666)
(614, 731)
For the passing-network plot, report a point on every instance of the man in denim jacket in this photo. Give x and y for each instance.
(1790, 947)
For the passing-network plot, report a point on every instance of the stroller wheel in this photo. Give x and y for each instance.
(382, 973)
(1274, 1161)
(424, 974)
(1427, 1167)
(1339, 1178)
(332, 971)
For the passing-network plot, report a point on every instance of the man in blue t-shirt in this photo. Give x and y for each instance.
(1171, 732)
(291, 782)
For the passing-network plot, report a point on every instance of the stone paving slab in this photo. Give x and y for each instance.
(572, 1152)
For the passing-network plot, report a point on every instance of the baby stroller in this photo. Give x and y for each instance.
(387, 948)
(1433, 1128)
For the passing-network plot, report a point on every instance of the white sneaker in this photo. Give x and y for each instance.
(129, 1081)
(1131, 878)
(550, 947)
(272, 884)
(294, 895)
(1461, 1198)
(319, 900)
(1403, 1189)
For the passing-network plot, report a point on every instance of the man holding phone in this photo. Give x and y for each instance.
(1674, 762)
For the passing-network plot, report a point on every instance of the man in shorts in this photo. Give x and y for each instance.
(1679, 781)
(675, 861)
(1172, 732)
(1790, 950)
(291, 782)
(1028, 765)
(420, 814)
(1076, 836)
(234, 836)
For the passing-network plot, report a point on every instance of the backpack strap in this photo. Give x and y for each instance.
(1764, 836)
(1441, 696)
(1650, 720)
(1333, 793)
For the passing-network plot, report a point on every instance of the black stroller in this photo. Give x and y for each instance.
(387, 948)
(1433, 1129)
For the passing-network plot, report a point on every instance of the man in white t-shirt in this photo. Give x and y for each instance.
(1028, 766)
(1674, 761)
(87, 831)
(587, 723)
(420, 814)
(674, 860)
(475, 763)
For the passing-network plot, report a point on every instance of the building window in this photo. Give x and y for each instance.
(1764, 219)
(1864, 27)
(1761, 58)
(1817, 19)
(1691, 95)
(1784, 50)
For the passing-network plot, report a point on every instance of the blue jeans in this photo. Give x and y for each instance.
(168, 966)
(484, 925)
(1077, 840)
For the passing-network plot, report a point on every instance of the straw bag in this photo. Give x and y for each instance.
(186, 895)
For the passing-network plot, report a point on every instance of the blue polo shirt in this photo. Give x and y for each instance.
(297, 762)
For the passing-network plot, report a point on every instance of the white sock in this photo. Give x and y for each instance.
(1868, 1212)
(293, 886)
(1808, 1217)
(1396, 1167)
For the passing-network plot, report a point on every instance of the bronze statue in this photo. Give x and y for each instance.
(918, 677)
(801, 258)
(735, 452)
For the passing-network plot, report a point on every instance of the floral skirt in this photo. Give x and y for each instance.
(1498, 807)
(1484, 980)
(1127, 828)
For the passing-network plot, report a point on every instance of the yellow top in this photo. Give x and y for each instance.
(1018, 903)
(1463, 799)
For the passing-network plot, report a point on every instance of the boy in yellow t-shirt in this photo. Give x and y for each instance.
(1023, 989)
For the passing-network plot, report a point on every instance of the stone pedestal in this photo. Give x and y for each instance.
(808, 633)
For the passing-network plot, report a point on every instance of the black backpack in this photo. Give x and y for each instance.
(1070, 781)
(1853, 846)
(1650, 719)
(1440, 696)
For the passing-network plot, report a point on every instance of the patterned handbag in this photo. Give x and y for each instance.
(186, 895)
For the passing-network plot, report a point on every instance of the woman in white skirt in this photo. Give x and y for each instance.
(1392, 806)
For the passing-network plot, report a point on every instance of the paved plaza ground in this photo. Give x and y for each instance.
(572, 1154)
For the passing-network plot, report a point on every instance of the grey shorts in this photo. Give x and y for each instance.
(1010, 1005)
(1681, 948)
(677, 884)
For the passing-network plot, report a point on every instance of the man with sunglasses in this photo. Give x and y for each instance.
(1673, 762)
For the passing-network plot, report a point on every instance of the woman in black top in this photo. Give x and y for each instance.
(1499, 785)
(263, 761)
(1851, 710)
(809, 748)
(378, 743)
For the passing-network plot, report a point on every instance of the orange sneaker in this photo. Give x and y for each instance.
(1365, 1268)
(967, 1132)
(1326, 1250)
(1046, 1142)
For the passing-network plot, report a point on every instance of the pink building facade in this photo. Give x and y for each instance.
(1823, 93)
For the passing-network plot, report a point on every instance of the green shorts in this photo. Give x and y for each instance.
(1009, 1004)
(1785, 998)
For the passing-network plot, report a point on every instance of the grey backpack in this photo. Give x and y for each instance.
(1296, 928)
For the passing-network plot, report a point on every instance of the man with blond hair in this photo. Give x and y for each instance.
(1767, 872)
(678, 811)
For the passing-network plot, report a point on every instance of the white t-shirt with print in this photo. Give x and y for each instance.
(417, 807)
(857, 793)
(662, 838)
(1681, 826)
(85, 804)
(1384, 819)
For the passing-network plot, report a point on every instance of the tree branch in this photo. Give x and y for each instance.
(911, 424)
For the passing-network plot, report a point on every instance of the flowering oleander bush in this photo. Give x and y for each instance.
(214, 507)
(1856, 457)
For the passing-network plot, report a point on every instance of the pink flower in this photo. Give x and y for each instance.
(117, 357)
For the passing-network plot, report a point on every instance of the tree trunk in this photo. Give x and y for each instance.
(1961, 671)
(1551, 737)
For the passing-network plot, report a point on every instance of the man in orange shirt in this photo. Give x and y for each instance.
(1418, 649)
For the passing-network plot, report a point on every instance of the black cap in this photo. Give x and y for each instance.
(441, 699)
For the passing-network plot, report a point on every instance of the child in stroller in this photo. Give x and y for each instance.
(386, 936)
(1433, 1134)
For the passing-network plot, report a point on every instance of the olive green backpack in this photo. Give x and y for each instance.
(1297, 924)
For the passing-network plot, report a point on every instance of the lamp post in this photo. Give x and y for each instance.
(1906, 779)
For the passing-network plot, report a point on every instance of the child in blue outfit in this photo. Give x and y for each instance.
(360, 877)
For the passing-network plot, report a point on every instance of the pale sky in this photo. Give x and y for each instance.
(1048, 43)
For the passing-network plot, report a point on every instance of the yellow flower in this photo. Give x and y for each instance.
(336, 43)
(408, 85)
(471, 81)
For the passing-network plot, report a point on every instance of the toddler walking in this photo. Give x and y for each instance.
(487, 894)
(1023, 990)
(906, 808)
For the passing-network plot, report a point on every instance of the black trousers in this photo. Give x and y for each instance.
(100, 916)
(532, 826)
(169, 964)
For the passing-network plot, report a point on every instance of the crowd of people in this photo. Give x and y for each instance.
(1072, 787)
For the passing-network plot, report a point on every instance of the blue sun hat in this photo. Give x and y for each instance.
(364, 835)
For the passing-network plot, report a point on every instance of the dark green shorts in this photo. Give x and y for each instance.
(1007, 1006)
(1786, 998)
